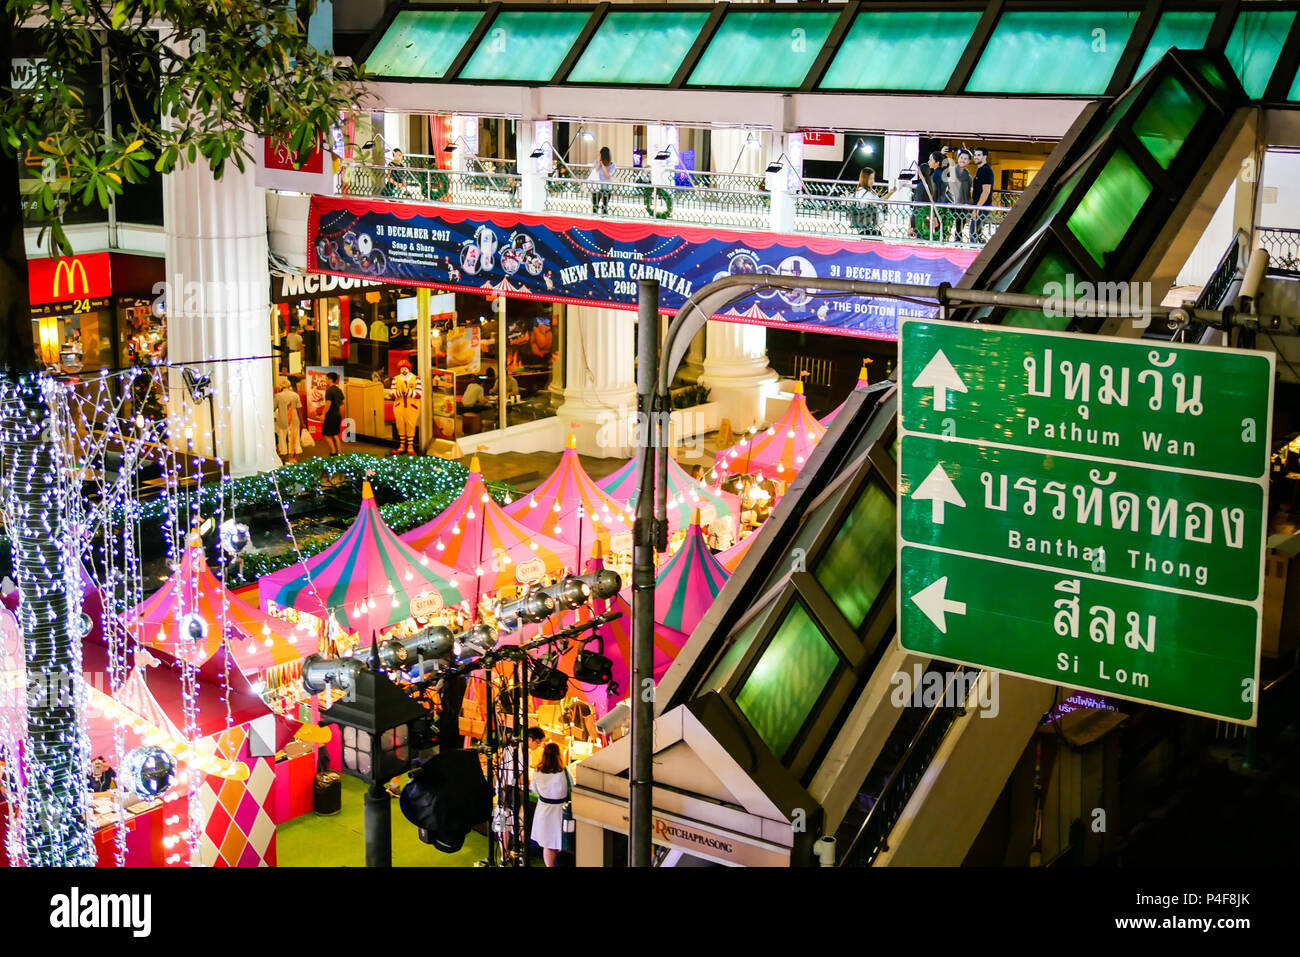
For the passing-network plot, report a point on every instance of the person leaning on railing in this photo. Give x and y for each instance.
(865, 214)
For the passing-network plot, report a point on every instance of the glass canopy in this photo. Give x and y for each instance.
(895, 50)
(422, 43)
(912, 46)
(761, 48)
(524, 46)
(638, 47)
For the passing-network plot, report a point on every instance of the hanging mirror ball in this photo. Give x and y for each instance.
(84, 625)
(148, 771)
(235, 538)
(193, 627)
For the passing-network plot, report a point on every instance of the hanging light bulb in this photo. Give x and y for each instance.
(424, 560)
(455, 529)
(556, 509)
(483, 497)
(371, 603)
(408, 576)
(532, 502)
(440, 546)
(790, 434)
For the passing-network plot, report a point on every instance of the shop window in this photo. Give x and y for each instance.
(1064, 52)
(915, 50)
(1177, 29)
(771, 49)
(1254, 46)
(524, 46)
(787, 680)
(860, 558)
(1110, 206)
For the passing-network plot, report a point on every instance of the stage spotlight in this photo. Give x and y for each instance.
(427, 644)
(591, 667)
(547, 683)
(318, 672)
(535, 606)
(476, 642)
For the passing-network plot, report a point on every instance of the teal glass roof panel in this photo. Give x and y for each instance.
(787, 680)
(732, 656)
(771, 49)
(1254, 46)
(861, 557)
(525, 46)
(895, 50)
(1061, 52)
(1295, 87)
(1177, 29)
(640, 47)
(421, 44)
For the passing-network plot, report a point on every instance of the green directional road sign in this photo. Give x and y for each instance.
(1172, 406)
(1073, 509)
(1192, 654)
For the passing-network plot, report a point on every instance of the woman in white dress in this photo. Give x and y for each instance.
(553, 786)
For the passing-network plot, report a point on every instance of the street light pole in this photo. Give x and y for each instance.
(640, 790)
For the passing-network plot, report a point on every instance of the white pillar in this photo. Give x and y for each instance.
(533, 171)
(218, 307)
(901, 151)
(736, 372)
(600, 384)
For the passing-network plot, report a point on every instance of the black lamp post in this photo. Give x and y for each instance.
(376, 718)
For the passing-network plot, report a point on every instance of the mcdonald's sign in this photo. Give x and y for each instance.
(69, 279)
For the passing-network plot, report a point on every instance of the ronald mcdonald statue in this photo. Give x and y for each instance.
(407, 393)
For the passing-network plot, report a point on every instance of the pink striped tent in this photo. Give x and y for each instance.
(685, 495)
(687, 583)
(370, 577)
(488, 548)
(570, 506)
(862, 384)
(731, 558)
(256, 639)
(779, 452)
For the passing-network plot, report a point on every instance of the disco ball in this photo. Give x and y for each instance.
(148, 771)
(235, 538)
(193, 627)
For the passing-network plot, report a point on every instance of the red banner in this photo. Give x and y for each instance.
(70, 278)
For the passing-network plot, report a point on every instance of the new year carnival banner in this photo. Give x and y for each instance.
(595, 262)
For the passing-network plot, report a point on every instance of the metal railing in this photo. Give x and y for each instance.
(709, 198)
(641, 200)
(873, 835)
(910, 221)
(463, 187)
(1283, 245)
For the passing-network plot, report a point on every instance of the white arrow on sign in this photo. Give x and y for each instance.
(932, 601)
(939, 490)
(939, 375)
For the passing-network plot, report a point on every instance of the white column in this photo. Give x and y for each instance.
(900, 153)
(395, 132)
(785, 149)
(600, 383)
(736, 372)
(218, 307)
(533, 172)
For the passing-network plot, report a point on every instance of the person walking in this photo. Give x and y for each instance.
(332, 425)
(602, 173)
(554, 787)
(288, 421)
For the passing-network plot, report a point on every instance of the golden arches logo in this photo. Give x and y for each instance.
(71, 269)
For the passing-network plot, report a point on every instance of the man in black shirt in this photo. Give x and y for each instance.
(982, 190)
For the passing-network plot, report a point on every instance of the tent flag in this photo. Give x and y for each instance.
(570, 506)
(685, 495)
(781, 451)
(487, 548)
(863, 382)
(369, 577)
(257, 639)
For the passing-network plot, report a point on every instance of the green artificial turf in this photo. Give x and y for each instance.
(339, 840)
